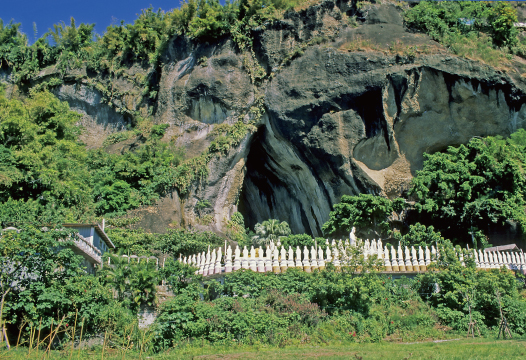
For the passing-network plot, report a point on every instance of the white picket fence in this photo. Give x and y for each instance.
(402, 259)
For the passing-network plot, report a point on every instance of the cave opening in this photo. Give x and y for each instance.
(272, 187)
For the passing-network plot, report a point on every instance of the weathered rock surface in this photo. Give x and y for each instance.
(361, 123)
(345, 123)
(334, 122)
(98, 119)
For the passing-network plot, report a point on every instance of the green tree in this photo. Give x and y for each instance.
(132, 241)
(449, 288)
(354, 262)
(212, 20)
(43, 160)
(502, 17)
(181, 278)
(419, 235)
(187, 242)
(367, 213)
(445, 20)
(236, 230)
(270, 230)
(15, 54)
(466, 188)
(32, 263)
(71, 38)
(133, 280)
(300, 240)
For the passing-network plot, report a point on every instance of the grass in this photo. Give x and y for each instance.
(305, 4)
(474, 47)
(480, 348)
(359, 44)
(477, 48)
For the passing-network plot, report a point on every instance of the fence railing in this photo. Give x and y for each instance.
(403, 259)
(88, 249)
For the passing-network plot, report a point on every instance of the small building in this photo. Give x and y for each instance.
(509, 248)
(91, 243)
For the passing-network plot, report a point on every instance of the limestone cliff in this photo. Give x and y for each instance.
(332, 121)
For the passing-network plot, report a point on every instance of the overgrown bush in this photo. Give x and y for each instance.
(300, 240)
(133, 281)
(455, 288)
(187, 242)
(270, 319)
(439, 19)
(471, 29)
(295, 307)
(419, 235)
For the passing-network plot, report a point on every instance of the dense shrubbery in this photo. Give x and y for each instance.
(319, 307)
(236, 230)
(474, 29)
(45, 171)
(187, 242)
(174, 242)
(466, 189)
(134, 282)
(331, 290)
(300, 240)
(418, 235)
(268, 319)
(455, 287)
(446, 18)
(296, 307)
(143, 41)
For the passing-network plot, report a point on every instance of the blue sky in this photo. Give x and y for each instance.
(103, 13)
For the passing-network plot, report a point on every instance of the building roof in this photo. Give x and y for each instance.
(98, 229)
(508, 247)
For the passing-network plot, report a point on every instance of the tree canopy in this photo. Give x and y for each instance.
(270, 230)
(365, 212)
(469, 187)
(441, 19)
(142, 41)
(45, 170)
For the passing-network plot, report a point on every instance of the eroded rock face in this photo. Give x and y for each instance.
(361, 123)
(98, 119)
(204, 83)
(334, 122)
(451, 109)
